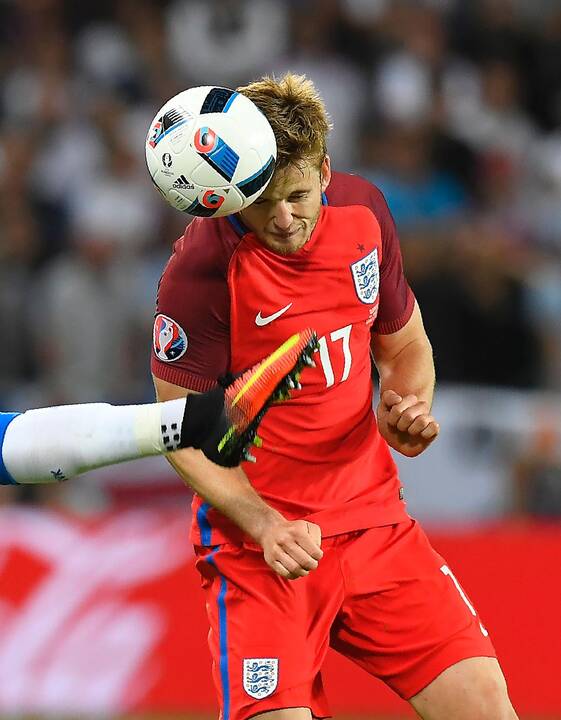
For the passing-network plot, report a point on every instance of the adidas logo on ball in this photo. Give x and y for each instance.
(182, 183)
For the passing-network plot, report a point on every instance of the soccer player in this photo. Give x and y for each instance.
(57, 443)
(318, 248)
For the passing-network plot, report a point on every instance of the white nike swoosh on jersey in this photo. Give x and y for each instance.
(260, 320)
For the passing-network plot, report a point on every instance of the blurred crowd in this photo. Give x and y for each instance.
(452, 107)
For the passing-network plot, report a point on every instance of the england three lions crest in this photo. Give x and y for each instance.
(260, 676)
(366, 277)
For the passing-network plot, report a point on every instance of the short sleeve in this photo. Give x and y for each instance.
(191, 337)
(396, 298)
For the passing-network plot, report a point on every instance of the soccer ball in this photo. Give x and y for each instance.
(210, 151)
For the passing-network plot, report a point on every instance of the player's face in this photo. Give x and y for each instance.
(284, 216)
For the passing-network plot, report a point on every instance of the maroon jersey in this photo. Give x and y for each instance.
(225, 301)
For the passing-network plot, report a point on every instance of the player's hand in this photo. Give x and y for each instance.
(292, 548)
(406, 423)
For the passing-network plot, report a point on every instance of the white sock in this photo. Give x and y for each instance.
(57, 443)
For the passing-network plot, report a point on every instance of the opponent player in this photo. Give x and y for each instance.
(56, 443)
(319, 249)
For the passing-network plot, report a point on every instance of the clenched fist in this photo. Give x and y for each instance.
(292, 548)
(406, 423)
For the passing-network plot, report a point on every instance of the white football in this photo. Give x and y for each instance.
(210, 151)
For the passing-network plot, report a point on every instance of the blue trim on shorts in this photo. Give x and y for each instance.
(5, 420)
(205, 527)
(223, 637)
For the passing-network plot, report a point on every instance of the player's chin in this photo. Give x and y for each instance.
(287, 244)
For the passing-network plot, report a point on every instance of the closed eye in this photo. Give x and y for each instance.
(295, 197)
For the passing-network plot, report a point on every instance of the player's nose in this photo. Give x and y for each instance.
(283, 216)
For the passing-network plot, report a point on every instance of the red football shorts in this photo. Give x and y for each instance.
(382, 597)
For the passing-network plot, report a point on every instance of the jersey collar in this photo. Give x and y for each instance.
(239, 228)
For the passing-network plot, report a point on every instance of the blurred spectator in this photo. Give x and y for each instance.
(314, 52)
(406, 75)
(94, 345)
(18, 253)
(491, 28)
(543, 309)
(474, 309)
(402, 167)
(537, 474)
(96, 202)
(490, 118)
(544, 80)
(226, 42)
(544, 206)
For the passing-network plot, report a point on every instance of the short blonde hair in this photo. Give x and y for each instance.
(296, 112)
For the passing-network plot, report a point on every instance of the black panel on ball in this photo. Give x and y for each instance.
(216, 100)
(253, 184)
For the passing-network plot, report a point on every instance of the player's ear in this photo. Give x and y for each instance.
(325, 173)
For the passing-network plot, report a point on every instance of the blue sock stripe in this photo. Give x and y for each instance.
(223, 639)
(5, 420)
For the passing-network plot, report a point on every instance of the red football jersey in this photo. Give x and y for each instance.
(225, 301)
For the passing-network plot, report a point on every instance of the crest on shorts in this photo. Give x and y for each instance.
(260, 676)
(170, 339)
(366, 277)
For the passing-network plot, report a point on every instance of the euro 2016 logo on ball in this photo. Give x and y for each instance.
(220, 146)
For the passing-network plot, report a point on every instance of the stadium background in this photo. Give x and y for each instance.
(454, 109)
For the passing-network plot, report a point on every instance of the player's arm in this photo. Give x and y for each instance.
(405, 365)
(291, 549)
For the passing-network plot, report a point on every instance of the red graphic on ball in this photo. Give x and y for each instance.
(204, 140)
(212, 200)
